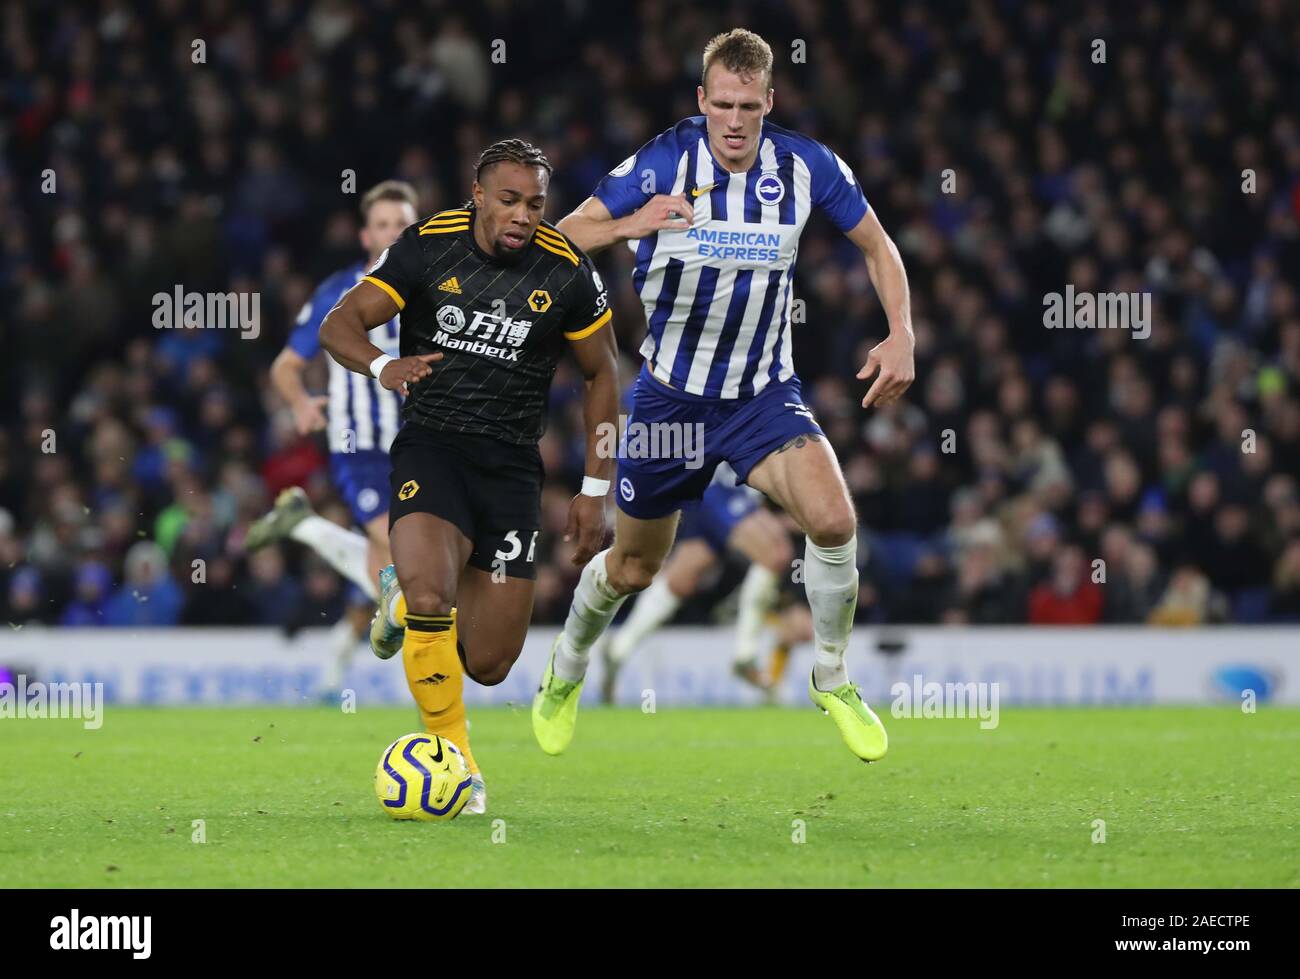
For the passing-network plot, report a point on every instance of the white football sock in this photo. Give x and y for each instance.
(653, 607)
(756, 594)
(831, 582)
(594, 605)
(344, 550)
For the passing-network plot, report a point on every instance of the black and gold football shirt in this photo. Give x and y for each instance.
(501, 328)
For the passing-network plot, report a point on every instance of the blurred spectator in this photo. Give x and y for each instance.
(1069, 597)
(26, 597)
(275, 594)
(93, 584)
(217, 599)
(1187, 601)
(1286, 584)
(148, 596)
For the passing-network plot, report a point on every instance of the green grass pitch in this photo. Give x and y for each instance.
(689, 797)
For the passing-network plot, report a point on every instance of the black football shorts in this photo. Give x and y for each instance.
(491, 490)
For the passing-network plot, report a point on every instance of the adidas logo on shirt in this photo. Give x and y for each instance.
(451, 285)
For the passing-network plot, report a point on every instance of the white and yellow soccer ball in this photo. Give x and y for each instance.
(422, 776)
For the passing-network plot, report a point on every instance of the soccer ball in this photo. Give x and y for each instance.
(422, 776)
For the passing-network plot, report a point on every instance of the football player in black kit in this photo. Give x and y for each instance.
(490, 296)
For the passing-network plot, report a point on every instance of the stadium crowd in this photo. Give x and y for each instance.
(1031, 475)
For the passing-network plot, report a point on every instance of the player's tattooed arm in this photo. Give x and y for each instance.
(597, 358)
(345, 334)
(799, 441)
(893, 356)
(592, 228)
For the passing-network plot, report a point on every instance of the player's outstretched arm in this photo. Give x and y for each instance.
(597, 358)
(592, 228)
(893, 356)
(345, 334)
(286, 377)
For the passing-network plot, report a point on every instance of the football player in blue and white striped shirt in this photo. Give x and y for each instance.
(713, 209)
(360, 418)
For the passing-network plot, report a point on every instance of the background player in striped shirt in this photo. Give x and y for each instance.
(713, 209)
(360, 417)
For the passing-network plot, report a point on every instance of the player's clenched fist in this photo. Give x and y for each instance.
(398, 374)
(663, 212)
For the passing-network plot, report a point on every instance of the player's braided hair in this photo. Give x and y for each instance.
(512, 151)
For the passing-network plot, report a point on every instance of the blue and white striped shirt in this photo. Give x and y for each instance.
(717, 296)
(362, 414)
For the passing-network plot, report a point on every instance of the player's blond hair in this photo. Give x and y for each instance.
(741, 52)
(389, 190)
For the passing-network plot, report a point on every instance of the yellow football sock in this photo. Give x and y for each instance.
(436, 677)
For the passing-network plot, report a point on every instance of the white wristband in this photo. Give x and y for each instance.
(591, 486)
(378, 364)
